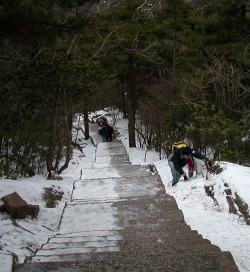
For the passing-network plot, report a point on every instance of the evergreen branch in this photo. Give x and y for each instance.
(6, 58)
(107, 39)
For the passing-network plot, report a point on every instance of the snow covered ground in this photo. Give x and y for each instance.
(213, 221)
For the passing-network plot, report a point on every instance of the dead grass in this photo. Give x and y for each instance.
(51, 196)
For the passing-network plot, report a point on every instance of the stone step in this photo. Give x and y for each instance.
(107, 165)
(135, 171)
(90, 200)
(116, 261)
(121, 164)
(91, 233)
(147, 210)
(111, 150)
(86, 237)
(85, 244)
(110, 145)
(83, 239)
(66, 258)
(164, 239)
(140, 228)
(129, 241)
(172, 230)
(112, 159)
(116, 187)
(99, 173)
(169, 246)
(131, 212)
(125, 170)
(75, 250)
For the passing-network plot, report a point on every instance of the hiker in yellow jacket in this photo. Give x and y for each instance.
(179, 158)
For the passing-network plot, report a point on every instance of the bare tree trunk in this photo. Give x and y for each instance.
(68, 127)
(86, 123)
(50, 155)
(123, 97)
(68, 152)
(174, 51)
(131, 103)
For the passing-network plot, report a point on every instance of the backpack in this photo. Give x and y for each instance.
(104, 123)
(110, 129)
(178, 145)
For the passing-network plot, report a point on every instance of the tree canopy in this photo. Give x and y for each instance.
(178, 69)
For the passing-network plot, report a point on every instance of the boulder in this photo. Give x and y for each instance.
(2, 208)
(33, 210)
(18, 208)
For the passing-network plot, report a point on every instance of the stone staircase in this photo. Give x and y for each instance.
(122, 220)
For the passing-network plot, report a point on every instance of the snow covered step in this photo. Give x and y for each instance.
(92, 233)
(112, 187)
(96, 139)
(84, 237)
(112, 144)
(134, 262)
(107, 164)
(97, 200)
(111, 150)
(76, 244)
(124, 170)
(135, 171)
(76, 250)
(70, 246)
(79, 217)
(93, 173)
(65, 258)
(112, 159)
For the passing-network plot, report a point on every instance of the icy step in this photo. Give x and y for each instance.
(114, 188)
(96, 200)
(111, 150)
(113, 144)
(76, 250)
(174, 262)
(84, 239)
(75, 239)
(90, 233)
(124, 170)
(93, 173)
(76, 244)
(86, 242)
(112, 159)
(64, 258)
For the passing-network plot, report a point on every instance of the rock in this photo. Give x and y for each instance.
(18, 208)
(33, 210)
(15, 206)
(2, 208)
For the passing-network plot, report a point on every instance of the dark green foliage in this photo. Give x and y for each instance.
(40, 83)
(182, 66)
(38, 110)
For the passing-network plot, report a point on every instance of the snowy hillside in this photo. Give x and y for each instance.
(205, 204)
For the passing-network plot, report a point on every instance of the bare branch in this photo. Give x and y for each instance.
(107, 39)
